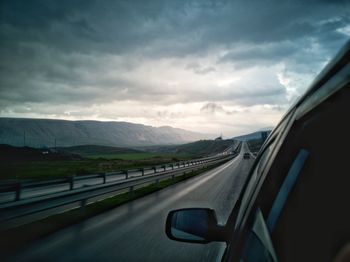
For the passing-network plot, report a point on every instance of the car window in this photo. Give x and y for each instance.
(315, 208)
(259, 246)
(305, 187)
(286, 187)
(255, 174)
(261, 162)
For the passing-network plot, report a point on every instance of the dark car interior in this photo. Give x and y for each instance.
(315, 221)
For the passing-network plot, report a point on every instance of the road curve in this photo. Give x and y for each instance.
(135, 231)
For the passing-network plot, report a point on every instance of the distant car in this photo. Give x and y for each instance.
(246, 156)
(294, 205)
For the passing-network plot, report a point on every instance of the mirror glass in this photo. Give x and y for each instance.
(190, 224)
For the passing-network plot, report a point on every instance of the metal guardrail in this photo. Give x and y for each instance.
(17, 187)
(25, 207)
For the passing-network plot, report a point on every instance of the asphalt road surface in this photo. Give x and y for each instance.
(135, 231)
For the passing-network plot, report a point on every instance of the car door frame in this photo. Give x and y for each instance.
(277, 136)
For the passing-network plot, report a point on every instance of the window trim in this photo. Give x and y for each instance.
(278, 139)
(287, 185)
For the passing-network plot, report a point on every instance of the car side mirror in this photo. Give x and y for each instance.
(194, 225)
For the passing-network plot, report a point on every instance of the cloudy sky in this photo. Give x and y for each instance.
(227, 67)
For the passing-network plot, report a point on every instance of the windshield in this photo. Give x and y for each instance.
(113, 114)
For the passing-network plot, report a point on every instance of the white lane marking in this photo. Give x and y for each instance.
(90, 247)
(166, 202)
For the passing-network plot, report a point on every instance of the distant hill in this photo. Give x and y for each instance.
(205, 147)
(251, 136)
(198, 148)
(44, 132)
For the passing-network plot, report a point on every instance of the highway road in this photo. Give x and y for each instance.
(135, 231)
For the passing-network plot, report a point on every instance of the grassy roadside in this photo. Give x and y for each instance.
(255, 144)
(13, 239)
(49, 169)
(140, 156)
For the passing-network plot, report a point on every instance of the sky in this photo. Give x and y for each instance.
(218, 67)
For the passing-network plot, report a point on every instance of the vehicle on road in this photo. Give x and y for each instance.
(246, 156)
(295, 203)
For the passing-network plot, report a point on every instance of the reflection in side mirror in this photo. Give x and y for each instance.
(196, 225)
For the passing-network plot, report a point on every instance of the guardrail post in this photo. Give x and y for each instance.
(104, 178)
(142, 171)
(71, 182)
(164, 167)
(154, 169)
(18, 191)
(131, 191)
(126, 172)
(83, 203)
(172, 166)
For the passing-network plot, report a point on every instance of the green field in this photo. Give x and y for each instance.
(30, 163)
(205, 147)
(141, 156)
(107, 152)
(92, 150)
(46, 169)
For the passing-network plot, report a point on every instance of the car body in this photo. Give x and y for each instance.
(246, 156)
(295, 204)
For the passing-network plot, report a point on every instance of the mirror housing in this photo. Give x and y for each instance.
(194, 225)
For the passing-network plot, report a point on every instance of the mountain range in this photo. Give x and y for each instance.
(63, 133)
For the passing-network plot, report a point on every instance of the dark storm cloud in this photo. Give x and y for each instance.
(59, 51)
(117, 26)
(295, 50)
